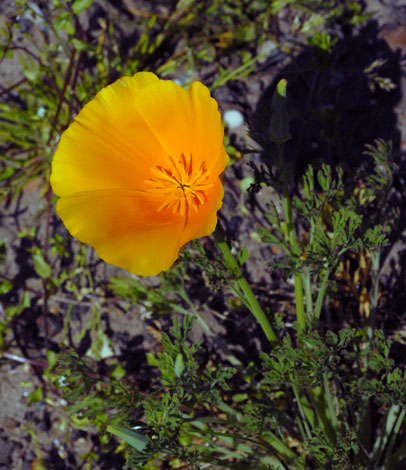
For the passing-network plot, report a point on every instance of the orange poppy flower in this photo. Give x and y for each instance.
(139, 171)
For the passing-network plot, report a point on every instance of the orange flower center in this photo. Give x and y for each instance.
(181, 183)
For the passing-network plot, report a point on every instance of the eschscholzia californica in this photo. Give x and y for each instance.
(139, 171)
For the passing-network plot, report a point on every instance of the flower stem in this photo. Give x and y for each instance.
(242, 288)
(305, 412)
(393, 420)
(320, 295)
(375, 259)
(307, 283)
(330, 405)
(291, 236)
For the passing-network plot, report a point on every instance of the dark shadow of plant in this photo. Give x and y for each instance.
(339, 100)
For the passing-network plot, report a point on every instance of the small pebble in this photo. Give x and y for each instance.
(233, 118)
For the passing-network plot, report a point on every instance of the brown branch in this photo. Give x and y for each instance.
(24, 360)
(11, 88)
(61, 95)
(27, 51)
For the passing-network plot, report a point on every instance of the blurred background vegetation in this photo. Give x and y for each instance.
(59, 300)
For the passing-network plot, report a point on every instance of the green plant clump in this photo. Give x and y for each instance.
(322, 389)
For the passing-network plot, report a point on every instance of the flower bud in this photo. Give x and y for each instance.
(279, 125)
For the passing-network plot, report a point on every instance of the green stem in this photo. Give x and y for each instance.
(290, 233)
(300, 313)
(365, 415)
(246, 294)
(323, 411)
(375, 259)
(394, 434)
(305, 411)
(268, 438)
(291, 236)
(320, 296)
(308, 292)
(330, 405)
(393, 415)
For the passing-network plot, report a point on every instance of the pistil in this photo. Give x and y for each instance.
(181, 185)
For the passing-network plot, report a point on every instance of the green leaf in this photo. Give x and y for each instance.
(32, 74)
(14, 310)
(35, 396)
(41, 267)
(134, 439)
(118, 372)
(179, 365)
(80, 45)
(64, 21)
(243, 255)
(52, 359)
(81, 5)
(5, 286)
(4, 175)
(184, 4)
(152, 360)
(245, 183)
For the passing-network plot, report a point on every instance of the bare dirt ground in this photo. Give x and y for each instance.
(43, 430)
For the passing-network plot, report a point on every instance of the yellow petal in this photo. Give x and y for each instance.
(108, 145)
(203, 222)
(207, 127)
(184, 121)
(125, 228)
